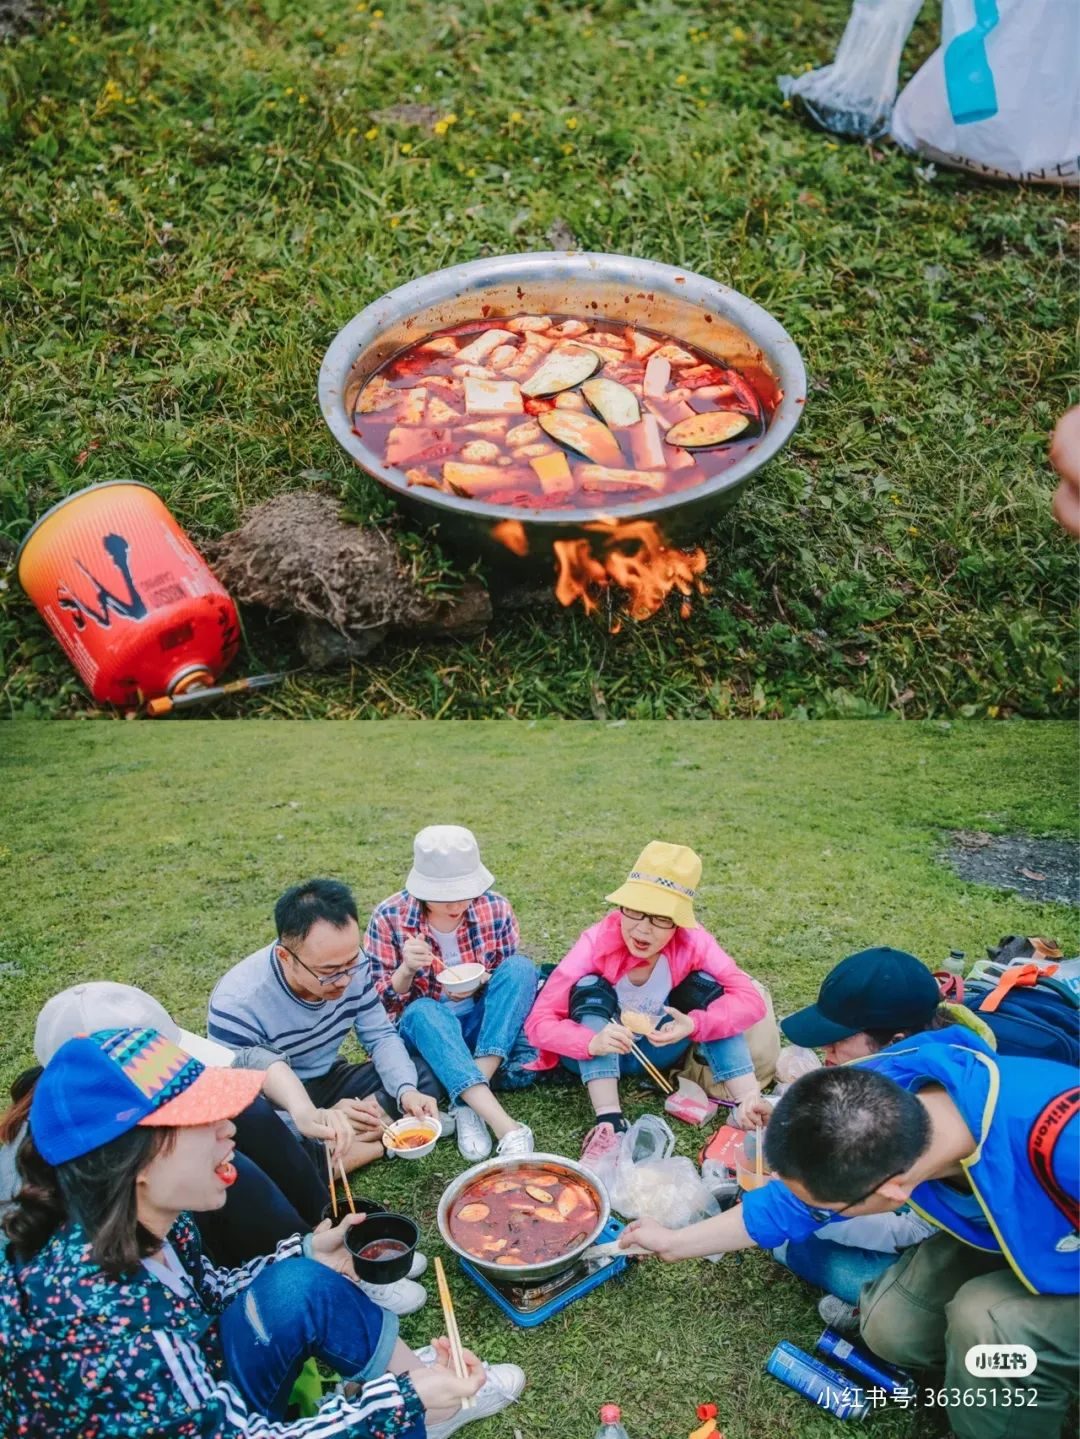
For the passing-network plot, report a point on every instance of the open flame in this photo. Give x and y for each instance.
(627, 555)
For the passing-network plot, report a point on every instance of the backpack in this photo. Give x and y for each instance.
(1029, 1001)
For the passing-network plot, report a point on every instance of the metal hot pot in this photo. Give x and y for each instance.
(524, 1273)
(678, 302)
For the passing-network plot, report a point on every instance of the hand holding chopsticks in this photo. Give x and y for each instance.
(450, 1319)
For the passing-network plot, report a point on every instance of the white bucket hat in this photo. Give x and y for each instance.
(105, 1004)
(446, 865)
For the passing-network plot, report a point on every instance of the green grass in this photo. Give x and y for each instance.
(154, 856)
(197, 198)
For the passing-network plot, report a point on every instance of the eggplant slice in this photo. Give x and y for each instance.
(701, 432)
(564, 367)
(584, 434)
(614, 403)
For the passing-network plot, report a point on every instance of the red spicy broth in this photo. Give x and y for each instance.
(524, 1216)
(382, 1249)
(547, 411)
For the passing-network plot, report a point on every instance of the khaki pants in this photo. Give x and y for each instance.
(763, 1041)
(942, 1297)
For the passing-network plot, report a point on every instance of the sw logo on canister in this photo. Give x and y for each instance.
(134, 605)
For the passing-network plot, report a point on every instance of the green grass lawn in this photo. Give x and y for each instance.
(197, 197)
(155, 855)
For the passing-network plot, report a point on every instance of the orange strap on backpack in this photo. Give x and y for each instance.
(1022, 976)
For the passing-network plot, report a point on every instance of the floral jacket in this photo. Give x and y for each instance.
(83, 1356)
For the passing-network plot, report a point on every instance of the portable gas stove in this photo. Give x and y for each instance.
(528, 1305)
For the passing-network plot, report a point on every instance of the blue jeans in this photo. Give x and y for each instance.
(840, 1269)
(726, 1058)
(295, 1309)
(449, 1035)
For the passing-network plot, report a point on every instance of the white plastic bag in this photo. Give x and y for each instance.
(793, 1063)
(650, 1182)
(854, 95)
(1032, 53)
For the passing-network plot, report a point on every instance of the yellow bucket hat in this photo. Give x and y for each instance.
(663, 881)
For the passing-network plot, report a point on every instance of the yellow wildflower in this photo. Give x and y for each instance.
(515, 117)
(406, 147)
(361, 7)
(471, 172)
(376, 14)
(913, 529)
(738, 33)
(370, 134)
(353, 130)
(288, 89)
(571, 122)
(680, 79)
(440, 127)
(394, 222)
(568, 149)
(301, 99)
(993, 711)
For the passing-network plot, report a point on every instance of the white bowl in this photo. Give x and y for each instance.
(461, 980)
(410, 1125)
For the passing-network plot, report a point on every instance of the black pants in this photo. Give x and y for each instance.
(361, 1081)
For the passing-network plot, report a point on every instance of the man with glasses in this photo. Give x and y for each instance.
(987, 1149)
(301, 995)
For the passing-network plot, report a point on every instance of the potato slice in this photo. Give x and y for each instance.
(548, 1212)
(567, 1202)
(524, 324)
(474, 480)
(641, 345)
(441, 345)
(570, 400)
(483, 427)
(600, 477)
(473, 1213)
(677, 355)
(493, 1246)
(492, 397)
(572, 327)
(701, 432)
(412, 409)
(647, 445)
(477, 351)
(563, 368)
(540, 1195)
(480, 452)
(657, 375)
(526, 434)
(582, 433)
(503, 356)
(505, 1186)
(614, 403)
(438, 412)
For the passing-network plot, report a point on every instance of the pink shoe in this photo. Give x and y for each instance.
(601, 1141)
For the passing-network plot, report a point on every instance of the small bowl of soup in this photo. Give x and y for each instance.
(411, 1138)
(382, 1248)
(461, 980)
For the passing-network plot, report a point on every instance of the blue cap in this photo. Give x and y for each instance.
(874, 989)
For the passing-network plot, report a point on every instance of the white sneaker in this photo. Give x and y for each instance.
(473, 1138)
(518, 1141)
(503, 1385)
(839, 1315)
(401, 1297)
(418, 1265)
(447, 1124)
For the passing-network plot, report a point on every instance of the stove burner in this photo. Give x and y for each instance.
(528, 1305)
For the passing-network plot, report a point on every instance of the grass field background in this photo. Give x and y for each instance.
(198, 195)
(154, 856)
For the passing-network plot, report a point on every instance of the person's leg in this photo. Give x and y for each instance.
(252, 1221)
(997, 1309)
(594, 1003)
(291, 1311)
(284, 1158)
(431, 1029)
(902, 1313)
(731, 1063)
(506, 1001)
(840, 1269)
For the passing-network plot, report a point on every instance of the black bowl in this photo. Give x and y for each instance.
(383, 1226)
(361, 1205)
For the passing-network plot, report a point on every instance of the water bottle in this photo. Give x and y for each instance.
(955, 962)
(611, 1423)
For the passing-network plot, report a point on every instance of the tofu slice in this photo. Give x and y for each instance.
(477, 351)
(493, 397)
(600, 477)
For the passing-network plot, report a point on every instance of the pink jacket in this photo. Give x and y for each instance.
(600, 950)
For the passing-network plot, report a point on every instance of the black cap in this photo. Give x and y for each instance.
(874, 989)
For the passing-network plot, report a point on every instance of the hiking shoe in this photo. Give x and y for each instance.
(518, 1141)
(503, 1385)
(418, 1265)
(402, 1297)
(473, 1137)
(601, 1142)
(839, 1315)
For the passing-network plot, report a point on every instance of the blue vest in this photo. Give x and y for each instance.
(1024, 1173)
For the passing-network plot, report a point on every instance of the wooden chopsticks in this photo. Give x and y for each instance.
(651, 1069)
(450, 1319)
(332, 1182)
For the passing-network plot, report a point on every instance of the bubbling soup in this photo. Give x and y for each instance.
(544, 411)
(524, 1216)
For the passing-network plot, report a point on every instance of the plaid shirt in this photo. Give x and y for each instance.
(487, 935)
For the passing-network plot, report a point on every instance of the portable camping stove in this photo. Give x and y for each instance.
(528, 1305)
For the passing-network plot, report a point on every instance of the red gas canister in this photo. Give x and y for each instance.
(132, 602)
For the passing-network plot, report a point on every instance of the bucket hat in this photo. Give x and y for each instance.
(663, 881)
(107, 1004)
(99, 1086)
(446, 865)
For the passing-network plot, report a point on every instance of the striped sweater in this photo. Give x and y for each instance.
(253, 1005)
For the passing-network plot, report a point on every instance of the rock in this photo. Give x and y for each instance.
(349, 585)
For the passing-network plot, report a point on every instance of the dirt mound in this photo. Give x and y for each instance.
(1045, 870)
(352, 586)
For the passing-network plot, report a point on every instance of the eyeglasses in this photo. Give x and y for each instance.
(658, 921)
(337, 975)
(826, 1214)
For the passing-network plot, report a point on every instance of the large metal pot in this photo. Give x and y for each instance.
(685, 305)
(524, 1273)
